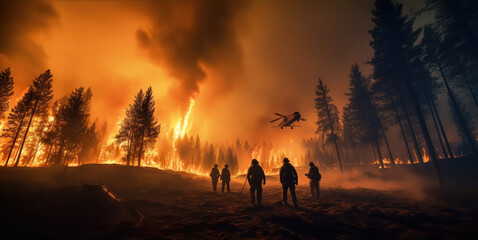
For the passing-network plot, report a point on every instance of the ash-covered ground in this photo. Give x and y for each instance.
(155, 204)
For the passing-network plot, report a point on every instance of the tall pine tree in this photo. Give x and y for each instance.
(70, 126)
(328, 120)
(6, 90)
(457, 24)
(16, 123)
(140, 128)
(361, 111)
(42, 95)
(434, 55)
(395, 61)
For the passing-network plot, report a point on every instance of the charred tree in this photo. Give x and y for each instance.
(362, 111)
(42, 95)
(455, 24)
(6, 91)
(140, 128)
(404, 136)
(418, 149)
(435, 111)
(396, 61)
(445, 154)
(328, 122)
(71, 120)
(462, 115)
(16, 120)
(432, 43)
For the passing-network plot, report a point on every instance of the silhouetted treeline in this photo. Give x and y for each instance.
(140, 128)
(400, 97)
(328, 119)
(26, 117)
(451, 49)
(38, 133)
(394, 115)
(6, 91)
(70, 136)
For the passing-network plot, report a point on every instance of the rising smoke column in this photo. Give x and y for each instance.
(20, 21)
(187, 37)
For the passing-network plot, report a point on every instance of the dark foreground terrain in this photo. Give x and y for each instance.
(48, 203)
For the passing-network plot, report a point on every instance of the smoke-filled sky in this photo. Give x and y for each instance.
(242, 61)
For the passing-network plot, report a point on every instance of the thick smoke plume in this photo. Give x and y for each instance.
(192, 38)
(20, 21)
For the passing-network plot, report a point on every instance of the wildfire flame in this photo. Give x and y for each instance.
(172, 156)
(256, 153)
(182, 126)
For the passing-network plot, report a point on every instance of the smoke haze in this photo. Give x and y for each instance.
(241, 60)
(190, 36)
(23, 23)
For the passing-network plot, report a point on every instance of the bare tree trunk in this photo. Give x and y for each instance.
(15, 139)
(133, 152)
(59, 154)
(128, 154)
(333, 133)
(414, 137)
(450, 151)
(374, 154)
(392, 161)
(410, 158)
(437, 130)
(461, 120)
(16, 155)
(338, 155)
(26, 132)
(140, 151)
(379, 154)
(32, 157)
(425, 132)
(48, 154)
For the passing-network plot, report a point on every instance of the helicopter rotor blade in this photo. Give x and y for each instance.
(279, 115)
(275, 119)
(303, 119)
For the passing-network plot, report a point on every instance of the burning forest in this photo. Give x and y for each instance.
(117, 116)
(42, 133)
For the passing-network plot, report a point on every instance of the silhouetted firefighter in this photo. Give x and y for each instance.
(288, 178)
(214, 177)
(225, 177)
(256, 177)
(314, 177)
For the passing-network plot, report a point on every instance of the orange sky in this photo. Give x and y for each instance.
(242, 62)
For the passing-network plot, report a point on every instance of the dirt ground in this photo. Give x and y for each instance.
(155, 204)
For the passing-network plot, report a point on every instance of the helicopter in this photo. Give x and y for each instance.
(288, 120)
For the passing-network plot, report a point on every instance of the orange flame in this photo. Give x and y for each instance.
(182, 126)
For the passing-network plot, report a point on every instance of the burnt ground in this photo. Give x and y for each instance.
(46, 203)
